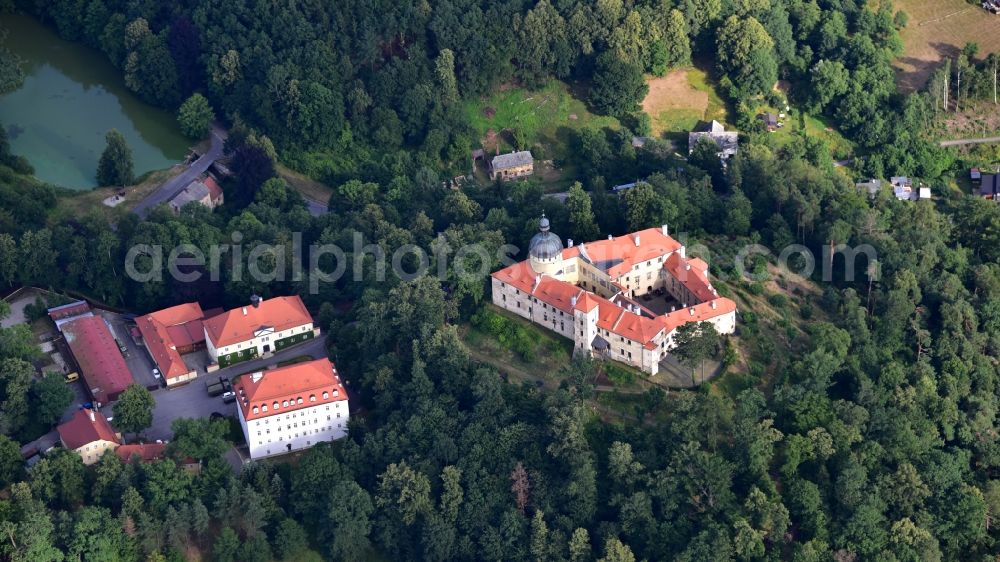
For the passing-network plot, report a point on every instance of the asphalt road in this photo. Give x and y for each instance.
(175, 185)
(193, 401)
(315, 207)
(960, 142)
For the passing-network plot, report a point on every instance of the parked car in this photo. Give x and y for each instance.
(72, 377)
(228, 386)
(87, 406)
(229, 397)
(156, 373)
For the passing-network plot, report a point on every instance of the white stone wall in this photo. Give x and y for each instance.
(301, 429)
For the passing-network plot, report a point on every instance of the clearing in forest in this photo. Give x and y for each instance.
(542, 119)
(679, 101)
(938, 29)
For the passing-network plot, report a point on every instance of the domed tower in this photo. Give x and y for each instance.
(545, 250)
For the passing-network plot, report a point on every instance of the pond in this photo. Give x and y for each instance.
(70, 98)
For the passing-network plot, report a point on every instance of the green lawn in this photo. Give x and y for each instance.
(814, 126)
(682, 101)
(550, 351)
(543, 118)
(701, 81)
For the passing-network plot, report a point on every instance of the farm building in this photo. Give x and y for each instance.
(989, 188)
(512, 166)
(770, 121)
(727, 141)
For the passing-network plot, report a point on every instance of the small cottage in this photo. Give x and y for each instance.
(512, 166)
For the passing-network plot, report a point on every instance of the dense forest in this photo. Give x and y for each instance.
(339, 87)
(870, 436)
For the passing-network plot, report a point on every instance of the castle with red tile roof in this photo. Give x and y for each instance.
(589, 292)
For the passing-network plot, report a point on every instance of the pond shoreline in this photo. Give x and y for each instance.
(71, 96)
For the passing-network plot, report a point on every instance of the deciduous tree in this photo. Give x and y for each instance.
(115, 165)
(195, 116)
(134, 409)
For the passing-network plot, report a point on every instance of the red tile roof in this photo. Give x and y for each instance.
(623, 253)
(67, 310)
(96, 351)
(239, 325)
(694, 278)
(166, 330)
(653, 243)
(86, 426)
(147, 452)
(698, 313)
(301, 384)
(214, 191)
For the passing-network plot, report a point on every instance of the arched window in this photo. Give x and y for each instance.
(263, 408)
(325, 395)
(299, 401)
(284, 403)
(276, 406)
(312, 397)
(256, 410)
(336, 393)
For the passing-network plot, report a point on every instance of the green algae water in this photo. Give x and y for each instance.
(70, 98)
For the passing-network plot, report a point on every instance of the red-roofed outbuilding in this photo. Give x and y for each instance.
(96, 353)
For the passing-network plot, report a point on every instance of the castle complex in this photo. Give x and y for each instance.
(592, 293)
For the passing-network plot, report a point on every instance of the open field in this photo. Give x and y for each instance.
(939, 29)
(678, 102)
(544, 119)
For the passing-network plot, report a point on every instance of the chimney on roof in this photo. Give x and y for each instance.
(244, 311)
(257, 376)
(569, 242)
(572, 300)
(665, 230)
(713, 305)
(93, 418)
(673, 308)
(637, 239)
(610, 237)
(687, 267)
(692, 310)
(255, 301)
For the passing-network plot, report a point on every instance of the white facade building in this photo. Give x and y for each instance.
(587, 293)
(263, 327)
(291, 408)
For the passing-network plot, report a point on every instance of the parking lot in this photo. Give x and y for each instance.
(137, 359)
(192, 400)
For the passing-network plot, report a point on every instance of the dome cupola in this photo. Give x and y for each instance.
(545, 245)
